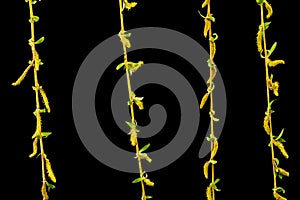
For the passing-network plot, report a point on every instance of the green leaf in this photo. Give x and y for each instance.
(46, 134)
(214, 186)
(270, 104)
(36, 18)
(39, 41)
(211, 138)
(120, 66)
(138, 179)
(201, 14)
(43, 110)
(217, 180)
(277, 161)
(50, 186)
(267, 24)
(213, 162)
(131, 125)
(145, 148)
(214, 37)
(279, 189)
(259, 1)
(272, 48)
(211, 18)
(149, 197)
(130, 102)
(126, 34)
(280, 135)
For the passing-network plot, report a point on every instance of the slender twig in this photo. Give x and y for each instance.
(271, 86)
(212, 37)
(38, 135)
(128, 67)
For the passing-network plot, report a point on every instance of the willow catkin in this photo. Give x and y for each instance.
(44, 192)
(23, 75)
(133, 137)
(207, 26)
(204, 99)
(205, 3)
(45, 99)
(280, 146)
(148, 182)
(273, 63)
(278, 196)
(259, 39)
(215, 149)
(283, 172)
(209, 193)
(269, 9)
(49, 170)
(267, 124)
(205, 169)
(212, 49)
(34, 148)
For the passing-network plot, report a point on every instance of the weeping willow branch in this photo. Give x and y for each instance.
(271, 89)
(212, 37)
(130, 68)
(38, 136)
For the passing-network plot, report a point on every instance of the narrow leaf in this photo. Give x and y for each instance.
(145, 148)
(138, 179)
(39, 41)
(46, 134)
(120, 66)
(272, 48)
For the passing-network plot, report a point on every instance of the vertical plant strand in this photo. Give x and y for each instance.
(210, 164)
(271, 87)
(38, 136)
(130, 68)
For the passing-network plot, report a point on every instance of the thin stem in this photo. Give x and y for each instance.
(36, 84)
(130, 98)
(211, 102)
(268, 90)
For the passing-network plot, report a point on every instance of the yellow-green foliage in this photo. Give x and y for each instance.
(212, 37)
(130, 68)
(38, 135)
(272, 89)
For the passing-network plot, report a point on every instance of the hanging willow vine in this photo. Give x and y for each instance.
(38, 135)
(130, 68)
(271, 87)
(212, 37)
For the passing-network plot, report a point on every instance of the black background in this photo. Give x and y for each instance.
(73, 28)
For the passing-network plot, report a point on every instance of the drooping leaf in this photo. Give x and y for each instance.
(50, 186)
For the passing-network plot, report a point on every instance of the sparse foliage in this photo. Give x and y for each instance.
(272, 89)
(130, 68)
(39, 135)
(209, 166)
